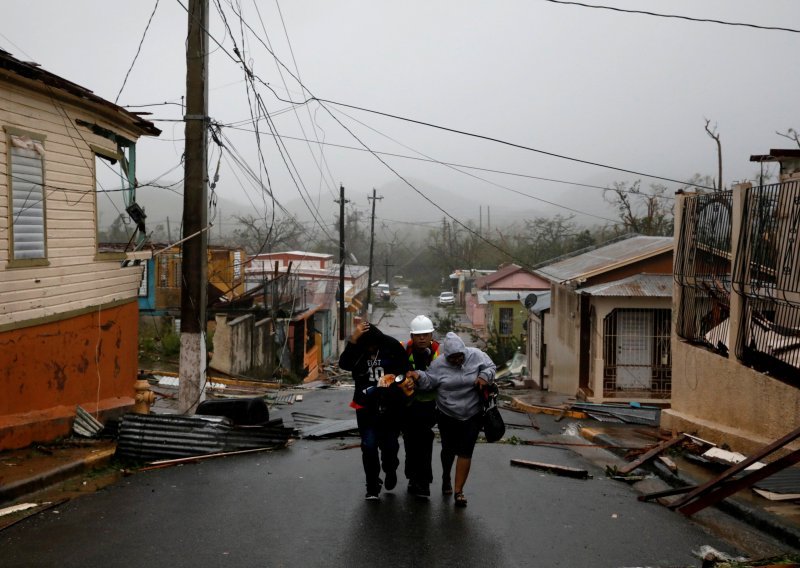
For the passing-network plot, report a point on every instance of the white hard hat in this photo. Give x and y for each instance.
(421, 324)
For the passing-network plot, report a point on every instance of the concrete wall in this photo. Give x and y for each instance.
(725, 402)
(719, 398)
(535, 348)
(88, 358)
(562, 331)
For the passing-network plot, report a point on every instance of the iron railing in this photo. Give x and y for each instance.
(767, 276)
(703, 268)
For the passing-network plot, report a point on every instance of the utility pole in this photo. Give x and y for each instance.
(341, 201)
(386, 266)
(371, 248)
(195, 214)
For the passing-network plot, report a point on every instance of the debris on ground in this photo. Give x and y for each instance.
(85, 424)
(553, 468)
(148, 437)
(313, 426)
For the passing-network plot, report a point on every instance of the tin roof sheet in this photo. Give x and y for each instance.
(605, 258)
(639, 285)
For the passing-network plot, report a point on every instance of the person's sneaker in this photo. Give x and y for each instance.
(373, 493)
(447, 487)
(391, 480)
(422, 490)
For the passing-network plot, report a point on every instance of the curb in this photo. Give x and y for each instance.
(46, 479)
(762, 520)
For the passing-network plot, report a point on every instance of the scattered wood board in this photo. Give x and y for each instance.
(552, 468)
(542, 409)
(650, 455)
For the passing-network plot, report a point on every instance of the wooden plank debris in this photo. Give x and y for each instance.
(552, 468)
(644, 458)
(544, 409)
(724, 485)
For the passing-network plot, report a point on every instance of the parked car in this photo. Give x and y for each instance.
(447, 299)
(384, 292)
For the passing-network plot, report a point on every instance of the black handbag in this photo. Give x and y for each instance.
(491, 422)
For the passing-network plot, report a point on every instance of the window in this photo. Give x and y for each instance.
(506, 321)
(114, 225)
(26, 161)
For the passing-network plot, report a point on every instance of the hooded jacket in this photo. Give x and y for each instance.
(371, 357)
(456, 393)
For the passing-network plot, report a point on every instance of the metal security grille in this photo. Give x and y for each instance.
(703, 268)
(767, 275)
(637, 353)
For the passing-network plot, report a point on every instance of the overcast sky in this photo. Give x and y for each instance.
(625, 90)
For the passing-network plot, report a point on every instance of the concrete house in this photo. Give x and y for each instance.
(506, 285)
(538, 307)
(736, 341)
(68, 308)
(608, 330)
(160, 291)
(292, 320)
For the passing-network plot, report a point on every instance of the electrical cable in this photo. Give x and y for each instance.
(138, 50)
(675, 16)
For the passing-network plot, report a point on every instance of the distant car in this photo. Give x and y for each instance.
(384, 292)
(447, 299)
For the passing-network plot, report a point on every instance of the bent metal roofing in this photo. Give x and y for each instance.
(639, 285)
(606, 258)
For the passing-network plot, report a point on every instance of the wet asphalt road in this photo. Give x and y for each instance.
(304, 506)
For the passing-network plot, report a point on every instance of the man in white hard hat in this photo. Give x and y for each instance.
(419, 417)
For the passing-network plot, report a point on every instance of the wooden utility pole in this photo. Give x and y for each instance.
(194, 273)
(386, 266)
(371, 247)
(341, 201)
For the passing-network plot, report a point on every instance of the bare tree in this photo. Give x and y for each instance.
(645, 213)
(791, 134)
(712, 132)
(256, 235)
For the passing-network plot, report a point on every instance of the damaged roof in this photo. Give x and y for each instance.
(606, 258)
(638, 285)
(49, 81)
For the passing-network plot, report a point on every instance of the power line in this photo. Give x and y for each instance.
(138, 50)
(504, 142)
(494, 183)
(424, 158)
(675, 16)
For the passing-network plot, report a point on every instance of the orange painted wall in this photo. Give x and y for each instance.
(88, 360)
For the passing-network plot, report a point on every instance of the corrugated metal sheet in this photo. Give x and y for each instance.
(162, 436)
(313, 426)
(786, 481)
(611, 255)
(648, 415)
(640, 285)
(542, 303)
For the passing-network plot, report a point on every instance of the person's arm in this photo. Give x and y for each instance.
(486, 370)
(423, 380)
(351, 352)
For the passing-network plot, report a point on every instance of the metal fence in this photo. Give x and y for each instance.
(703, 269)
(767, 276)
(637, 353)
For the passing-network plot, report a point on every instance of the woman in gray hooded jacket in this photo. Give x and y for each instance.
(457, 378)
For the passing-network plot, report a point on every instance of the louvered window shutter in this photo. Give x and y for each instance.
(27, 199)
